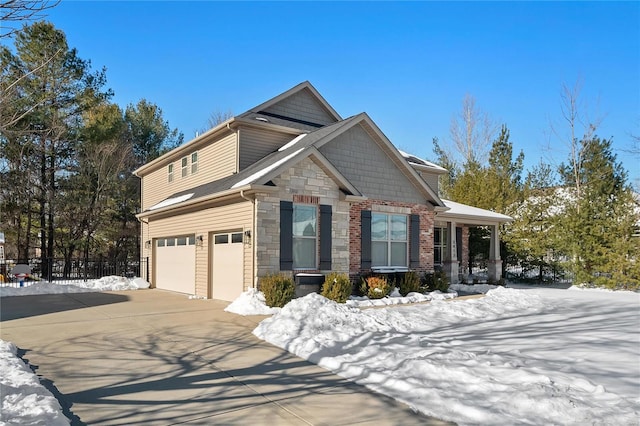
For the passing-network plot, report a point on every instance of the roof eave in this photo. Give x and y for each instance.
(224, 126)
(242, 190)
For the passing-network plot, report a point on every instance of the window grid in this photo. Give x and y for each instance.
(389, 239)
(305, 236)
(184, 163)
(194, 162)
(439, 244)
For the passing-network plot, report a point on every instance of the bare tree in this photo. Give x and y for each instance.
(578, 127)
(22, 11)
(216, 117)
(472, 132)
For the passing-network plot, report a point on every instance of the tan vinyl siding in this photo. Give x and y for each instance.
(256, 144)
(363, 162)
(215, 161)
(237, 216)
(302, 105)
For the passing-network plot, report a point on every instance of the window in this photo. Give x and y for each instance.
(194, 162)
(389, 238)
(184, 163)
(170, 172)
(221, 239)
(439, 245)
(305, 236)
(236, 237)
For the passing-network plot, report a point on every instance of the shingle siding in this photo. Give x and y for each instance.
(302, 106)
(369, 168)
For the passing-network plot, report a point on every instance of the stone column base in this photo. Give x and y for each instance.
(495, 270)
(451, 269)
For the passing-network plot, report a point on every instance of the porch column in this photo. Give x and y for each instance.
(450, 264)
(495, 263)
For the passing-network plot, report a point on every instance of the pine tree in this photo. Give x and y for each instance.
(598, 224)
(532, 237)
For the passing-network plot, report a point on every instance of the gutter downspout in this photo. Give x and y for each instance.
(254, 234)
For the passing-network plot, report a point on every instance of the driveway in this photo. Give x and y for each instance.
(153, 357)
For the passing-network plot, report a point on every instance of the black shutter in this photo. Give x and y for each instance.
(414, 241)
(325, 237)
(365, 239)
(286, 235)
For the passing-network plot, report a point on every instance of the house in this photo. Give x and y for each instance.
(290, 186)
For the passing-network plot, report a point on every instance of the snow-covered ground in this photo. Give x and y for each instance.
(110, 283)
(516, 356)
(24, 400)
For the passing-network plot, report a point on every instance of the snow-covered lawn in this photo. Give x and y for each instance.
(516, 356)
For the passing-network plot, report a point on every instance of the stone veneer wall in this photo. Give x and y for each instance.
(305, 182)
(426, 231)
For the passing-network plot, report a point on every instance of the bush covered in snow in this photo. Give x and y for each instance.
(278, 290)
(337, 287)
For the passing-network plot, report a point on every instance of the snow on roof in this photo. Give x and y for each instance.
(171, 201)
(412, 159)
(292, 142)
(260, 173)
(465, 210)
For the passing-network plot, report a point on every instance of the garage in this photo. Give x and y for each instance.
(227, 272)
(175, 265)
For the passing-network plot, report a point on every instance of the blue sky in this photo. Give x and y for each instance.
(407, 64)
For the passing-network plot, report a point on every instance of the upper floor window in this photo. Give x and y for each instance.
(439, 245)
(305, 236)
(194, 162)
(170, 173)
(184, 163)
(389, 239)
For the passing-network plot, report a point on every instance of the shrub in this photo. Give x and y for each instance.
(337, 287)
(409, 282)
(278, 290)
(375, 287)
(436, 281)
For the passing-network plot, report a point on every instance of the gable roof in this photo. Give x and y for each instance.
(264, 112)
(302, 146)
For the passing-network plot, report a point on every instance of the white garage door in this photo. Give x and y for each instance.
(176, 263)
(227, 275)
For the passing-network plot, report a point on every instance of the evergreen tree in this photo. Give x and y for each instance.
(50, 87)
(599, 221)
(533, 236)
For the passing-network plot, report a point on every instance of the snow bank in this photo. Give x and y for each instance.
(24, 400)
(503, 359)
(110, 283)
(396, 299)
(475, 288)
(251, 302)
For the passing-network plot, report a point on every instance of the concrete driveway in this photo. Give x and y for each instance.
(153, 357)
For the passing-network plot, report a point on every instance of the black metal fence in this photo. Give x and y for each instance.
(63, 271)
